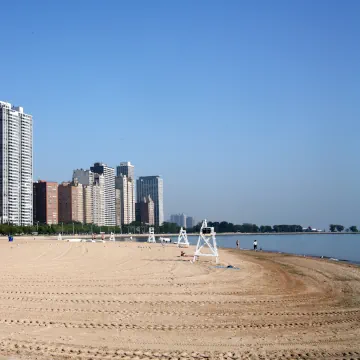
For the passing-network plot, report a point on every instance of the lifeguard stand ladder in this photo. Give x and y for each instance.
(206, 238)
(183, 239)
(151, 238)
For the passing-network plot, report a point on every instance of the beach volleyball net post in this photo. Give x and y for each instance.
(151, 238)
(207, 238)
(183, 239)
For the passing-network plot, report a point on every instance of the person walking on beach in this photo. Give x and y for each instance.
(237, 243)
(255, 244)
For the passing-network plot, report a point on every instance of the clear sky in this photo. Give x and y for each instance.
(248, 109)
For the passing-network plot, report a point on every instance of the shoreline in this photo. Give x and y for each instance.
(126, 240)
(98, 236)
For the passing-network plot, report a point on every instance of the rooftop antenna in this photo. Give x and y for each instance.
(183, 239)
(206, 238)
(151, 238)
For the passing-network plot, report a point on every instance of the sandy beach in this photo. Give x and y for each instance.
(129, 300)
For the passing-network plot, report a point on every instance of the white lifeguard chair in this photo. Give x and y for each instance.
(59, 237)
(206, 238)
(112, 237)
(151, 238)
(183, 239)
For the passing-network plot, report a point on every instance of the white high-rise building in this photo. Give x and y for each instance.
(99, 200)
(126, 168)
(109, 191)
(153, 186)
(16, 162)
(126, 187)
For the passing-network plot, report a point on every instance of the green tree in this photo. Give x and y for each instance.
(332, 227)
(339, 228)
(353, 228)
(265, 229)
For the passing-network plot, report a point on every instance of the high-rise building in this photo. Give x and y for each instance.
(127, 169)
(16, 157)
(179, 219)
(109, 191)
(145, 211)
(174, 218)
(190, 222)
(98, 199)
(70, 200)
(126, 187)
(88, 204)
(45, 202)
(93, 195)
(183, 220)
(118, 209)
(153, 186)
(84, 177)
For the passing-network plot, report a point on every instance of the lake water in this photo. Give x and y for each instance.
(339, 246)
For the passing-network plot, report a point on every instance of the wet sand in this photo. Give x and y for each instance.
(128, 300)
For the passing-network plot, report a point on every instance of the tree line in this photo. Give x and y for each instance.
(340, 228)
(166, 228)
(228, 227)
(72, 228)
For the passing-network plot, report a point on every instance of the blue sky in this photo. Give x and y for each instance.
(248, 109)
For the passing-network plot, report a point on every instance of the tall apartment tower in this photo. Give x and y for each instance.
(127, 201)
(109, 191)
(118, 208)
(98, 200)
(71, 206)
(93, 195)
(190, 222)
(153, 186)
(16, 161)
(145, 211)
(45, 203)
(127, 169)
(88, 204)
(179, 219)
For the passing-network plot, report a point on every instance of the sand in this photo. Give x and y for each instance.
(64, 300)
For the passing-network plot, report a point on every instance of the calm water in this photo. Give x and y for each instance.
(339, 246)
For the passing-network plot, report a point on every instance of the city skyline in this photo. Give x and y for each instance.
(264, 95)
(124, 167)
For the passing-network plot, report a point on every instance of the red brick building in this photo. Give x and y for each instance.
(71, 202)
(45, 202)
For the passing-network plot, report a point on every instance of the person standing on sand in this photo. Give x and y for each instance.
(255, 244)
(237, 244)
